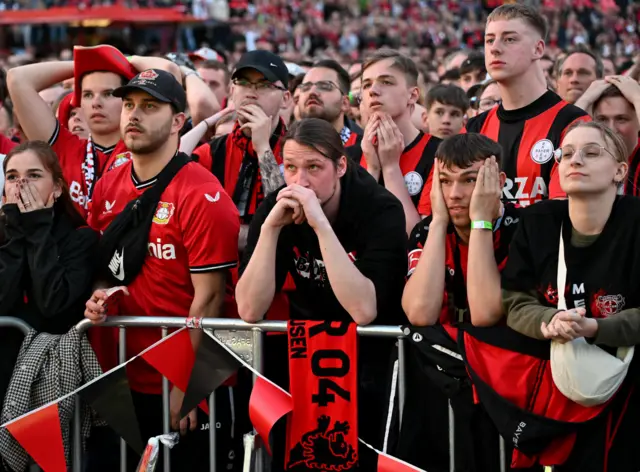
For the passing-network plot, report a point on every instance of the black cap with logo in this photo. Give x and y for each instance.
(267, 63)
(160, 84)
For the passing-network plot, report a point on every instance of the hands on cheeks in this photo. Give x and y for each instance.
(485, 200)
(390, 141)
(439, 210)
(297, 204)
(27, 197)
(96, 307)
(569, 325)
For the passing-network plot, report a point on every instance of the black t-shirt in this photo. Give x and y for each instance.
(454, 300)
(603, 277)
(371, 228)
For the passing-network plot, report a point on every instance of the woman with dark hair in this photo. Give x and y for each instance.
(46, 251)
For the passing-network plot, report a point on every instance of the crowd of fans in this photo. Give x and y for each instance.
(343, 161)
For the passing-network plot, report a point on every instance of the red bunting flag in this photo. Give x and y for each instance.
(39, 433)
(174, 359)
(268, 403)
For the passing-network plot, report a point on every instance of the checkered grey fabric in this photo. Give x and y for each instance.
(48, 367)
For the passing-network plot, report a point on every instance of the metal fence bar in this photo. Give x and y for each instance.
(503, 454)
(212, 432)
(452, 439)
(13, 322)
(166, 419)
(401, 385)
(258, 365)
(122, 358)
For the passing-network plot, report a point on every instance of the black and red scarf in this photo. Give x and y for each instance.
(249, 175)
(322, 430)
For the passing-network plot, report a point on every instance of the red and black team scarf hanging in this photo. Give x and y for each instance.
(322, 430)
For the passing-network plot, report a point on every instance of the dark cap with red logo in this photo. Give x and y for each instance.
(160, 84)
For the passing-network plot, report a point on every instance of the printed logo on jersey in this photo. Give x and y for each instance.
(108, 207)
(604, 305)
(310, 268)
(213, 199)
(542, 151)
(161, 251)
(120, 159)
(116, 265)
(551, 295)
(414, 258)
(163, 213)
(77, 195)
(520, 189)
(510, 221)
(414, 182)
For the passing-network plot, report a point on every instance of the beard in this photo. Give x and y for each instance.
(324, 113)
(150, 141)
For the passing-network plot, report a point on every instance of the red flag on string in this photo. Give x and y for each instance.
(372, 459)
(268, 403)
(39, 433)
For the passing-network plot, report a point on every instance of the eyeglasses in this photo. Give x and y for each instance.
(588, 152)
(262, 86)
(322, 85)
(487, 103)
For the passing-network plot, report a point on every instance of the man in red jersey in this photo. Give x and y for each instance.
(394, 151)
(191, 243)
(97, 72)
(6, 145)
(531, 121)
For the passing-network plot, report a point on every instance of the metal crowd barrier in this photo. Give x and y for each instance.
(216, 324)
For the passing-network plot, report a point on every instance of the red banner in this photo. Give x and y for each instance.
(322, 431)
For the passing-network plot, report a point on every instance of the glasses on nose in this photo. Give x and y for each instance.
(588, 152)
(322, 86)
(488, 103)
(262, 86)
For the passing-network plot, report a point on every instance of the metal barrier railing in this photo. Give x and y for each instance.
(166, 323)
(257, 329)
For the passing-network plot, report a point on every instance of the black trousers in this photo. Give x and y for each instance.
(192, 451)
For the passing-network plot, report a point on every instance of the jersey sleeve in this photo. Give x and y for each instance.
(69, 148)
(424, 205)
(416, 244)
(203, 156)
(210, 226)
(6, 144)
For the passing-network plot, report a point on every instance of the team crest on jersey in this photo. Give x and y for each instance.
(606, 305)
(122, 158)
(542, 151)
(163, 213)
(414, 182)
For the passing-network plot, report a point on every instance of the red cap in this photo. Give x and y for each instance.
(64, 110)
(103, 58)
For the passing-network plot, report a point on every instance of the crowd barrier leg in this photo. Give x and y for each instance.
(503, 454)
(166, 414)
(212, 432)
(77, 436)
(122, 358)
(401, 380)
(452, 440)
(258, 365)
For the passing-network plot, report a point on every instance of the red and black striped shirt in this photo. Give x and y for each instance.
(632, 186)
(528, 137)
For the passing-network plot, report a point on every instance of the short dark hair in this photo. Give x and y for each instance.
(520, 11)
(475, 61)
(451, 74)
(319, 135)
(216, 65)
(610, 92)
(400, 62)
(344, 81)
(447, 95)
(581, 49)
(463, 150)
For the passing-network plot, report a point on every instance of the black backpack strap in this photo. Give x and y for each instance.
(218, 148)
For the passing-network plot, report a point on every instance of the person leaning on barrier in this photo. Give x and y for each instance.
(601, 240)
(187, 244)
(46, 250)
(341, 236)
(455, 258)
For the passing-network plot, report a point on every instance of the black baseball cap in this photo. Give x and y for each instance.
(267, 63)
(158, 83)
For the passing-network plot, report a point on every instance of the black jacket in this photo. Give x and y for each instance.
(46, 272)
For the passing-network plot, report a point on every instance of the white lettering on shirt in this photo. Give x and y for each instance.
(162, 251)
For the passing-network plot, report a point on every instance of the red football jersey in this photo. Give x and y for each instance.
(6, 145)
(195, 230)
(72, 151)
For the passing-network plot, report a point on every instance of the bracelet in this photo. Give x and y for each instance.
(479, 224)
